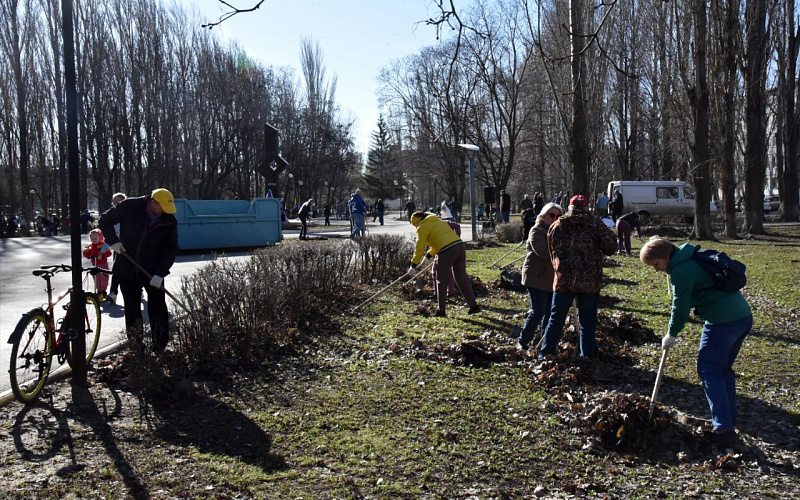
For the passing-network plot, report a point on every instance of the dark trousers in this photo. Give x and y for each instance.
(624, 236)
(156, 310)
(304, 229)
(114, 277)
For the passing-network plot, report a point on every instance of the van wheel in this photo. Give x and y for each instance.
(644, 217)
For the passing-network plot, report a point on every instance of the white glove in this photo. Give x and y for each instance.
(667, 341)
(156, 281)
(117, 247)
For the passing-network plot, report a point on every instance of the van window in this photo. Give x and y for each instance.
(667, 192)
(688, 193)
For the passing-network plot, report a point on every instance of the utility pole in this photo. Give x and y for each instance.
(77, 306)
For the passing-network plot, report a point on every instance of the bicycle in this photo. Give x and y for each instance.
(38, 336)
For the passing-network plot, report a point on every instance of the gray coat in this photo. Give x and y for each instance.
(537, 271)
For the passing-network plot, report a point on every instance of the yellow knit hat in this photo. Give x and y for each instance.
(417, 217)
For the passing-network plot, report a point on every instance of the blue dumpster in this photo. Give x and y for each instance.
(210, 224)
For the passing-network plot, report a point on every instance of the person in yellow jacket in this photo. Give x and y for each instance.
(439, 238)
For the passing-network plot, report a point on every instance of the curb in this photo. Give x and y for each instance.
(63, 371)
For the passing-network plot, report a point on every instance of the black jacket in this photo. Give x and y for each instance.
(152, 246)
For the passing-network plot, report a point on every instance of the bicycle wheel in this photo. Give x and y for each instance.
(91, 327)
(31, 356)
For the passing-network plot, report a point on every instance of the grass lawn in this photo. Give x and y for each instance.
(402, 405)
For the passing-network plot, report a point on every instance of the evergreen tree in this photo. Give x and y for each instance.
(382, 170)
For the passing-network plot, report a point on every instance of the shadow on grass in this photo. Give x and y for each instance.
(213, 427)
(775, 337)
(40, 431)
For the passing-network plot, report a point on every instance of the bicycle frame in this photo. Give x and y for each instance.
(49, 311)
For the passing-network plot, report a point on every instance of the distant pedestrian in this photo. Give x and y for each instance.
(303, 214)
(577, 243)
(358, 210)
(86, 221)
(528, 221)
(410, 208)
(602, 205)
(625, 226)
(379, 210)
(538, 203)
(338, 210)
(444, 210)
(505, 205)
(617, 205)
(327, 213)
(526, 203)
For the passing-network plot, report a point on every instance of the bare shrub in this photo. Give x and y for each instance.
(382, 257)
(511, 232)
(248, 309)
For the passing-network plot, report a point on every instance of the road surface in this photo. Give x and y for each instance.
(20, 291)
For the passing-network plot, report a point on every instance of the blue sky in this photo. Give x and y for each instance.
(357, 39)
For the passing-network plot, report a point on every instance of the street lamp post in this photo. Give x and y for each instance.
(197, 183)
(473, 148)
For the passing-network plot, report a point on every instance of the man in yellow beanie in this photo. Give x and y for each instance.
(148, 232)
(439, 238)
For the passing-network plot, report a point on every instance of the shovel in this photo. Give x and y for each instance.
(509, 253)
(658, 384)
(382, 290)
(149, 277)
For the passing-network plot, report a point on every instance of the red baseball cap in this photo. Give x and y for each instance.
(579, 200)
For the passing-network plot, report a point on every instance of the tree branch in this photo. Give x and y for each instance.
(227, 15)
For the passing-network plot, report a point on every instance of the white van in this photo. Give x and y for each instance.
(657, 197)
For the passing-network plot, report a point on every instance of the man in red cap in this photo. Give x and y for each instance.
(577, 243)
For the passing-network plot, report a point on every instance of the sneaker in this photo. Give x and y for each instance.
(101, 297)
(112, 297)
(440, 314)
(521, 347)
(474, 310)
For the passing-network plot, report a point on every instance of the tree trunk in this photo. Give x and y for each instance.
(579, 146)
(700, 151)
(755, 147)
(730, 49)
(790, 92)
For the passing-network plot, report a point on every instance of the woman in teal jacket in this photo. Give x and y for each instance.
(727, 321)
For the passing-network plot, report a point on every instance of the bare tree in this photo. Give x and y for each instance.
(756, 143)
(725, 28)
(788, 43)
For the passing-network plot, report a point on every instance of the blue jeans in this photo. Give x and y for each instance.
(539, 314)
(719, 346)
(505, 215)
(358, 225)
(587, 315)
(380, 217)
